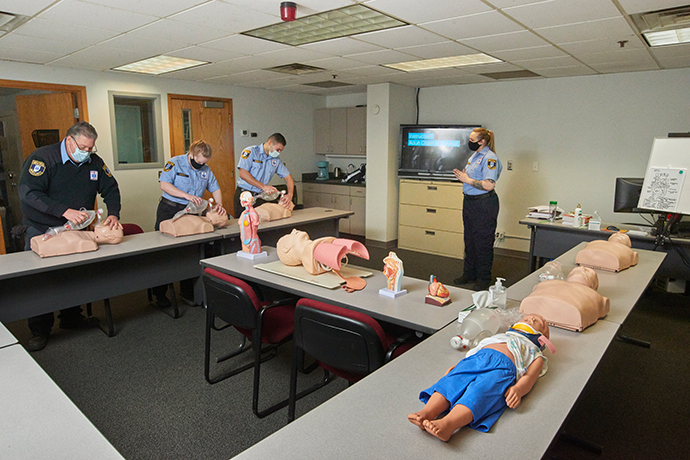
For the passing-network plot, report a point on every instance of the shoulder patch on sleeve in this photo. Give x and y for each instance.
(168, 166)
(246, 153)
(37, 168)
(107, 171)
(491, 163)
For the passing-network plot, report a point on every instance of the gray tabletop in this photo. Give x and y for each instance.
(369, 419)
(622, 288)
(38, 419)
(6, 337)
(408, 310)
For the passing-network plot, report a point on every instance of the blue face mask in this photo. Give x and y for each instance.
(80, 156)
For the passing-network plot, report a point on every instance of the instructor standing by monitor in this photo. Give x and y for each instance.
(257, 165)
(479, 209)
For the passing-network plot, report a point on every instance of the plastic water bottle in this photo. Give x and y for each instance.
(553, 209)
(577, 222)
(478, 325)
(499, 294)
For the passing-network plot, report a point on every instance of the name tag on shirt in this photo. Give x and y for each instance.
(258, 161)
(182, 174)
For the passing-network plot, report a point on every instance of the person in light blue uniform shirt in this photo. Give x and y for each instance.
(480, 209)
(185, 178)
(258, 164)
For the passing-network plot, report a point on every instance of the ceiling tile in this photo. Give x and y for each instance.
(625, 55)
(57, 47)
(244, 44)
(571, 71)
(548, 63)
(24, 55)
(335, 63)
(528, 53)
(438, 50)
(630, 66)
(642, 6)
(671, 51)
(294, 54)
(342, 46)
(502, 42)
(612, 28)
(81, 36)
(675, 62)
(223, 16)
(382, 57)
(304, 7)
(478, 25)
(400, 37)
(100, 17)
(205, 54)
(25, 7)
(489, 68)
(100, 58)
(417, 11)
(178, 34)
(159, 9)
(559, 12)
(600, 46)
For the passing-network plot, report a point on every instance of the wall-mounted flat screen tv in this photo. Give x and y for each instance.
(433, 151)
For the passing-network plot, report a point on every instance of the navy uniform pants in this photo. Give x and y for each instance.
(479, 216)
(166, 210)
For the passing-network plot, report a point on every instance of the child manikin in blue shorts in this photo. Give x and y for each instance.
(494, 375)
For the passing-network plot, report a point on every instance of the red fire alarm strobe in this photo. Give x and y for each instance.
(287, 11)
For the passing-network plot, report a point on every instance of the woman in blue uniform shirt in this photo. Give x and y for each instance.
(480, 209)
(186, 178)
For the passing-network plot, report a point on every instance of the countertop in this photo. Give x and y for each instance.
(311, 178)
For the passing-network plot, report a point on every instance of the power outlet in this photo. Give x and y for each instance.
(535, 166)
(500, 235)
(245, 133)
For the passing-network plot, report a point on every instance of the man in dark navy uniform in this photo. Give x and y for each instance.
(56, 182)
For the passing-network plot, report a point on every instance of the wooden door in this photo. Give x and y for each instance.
(194, 118)
(44, 111)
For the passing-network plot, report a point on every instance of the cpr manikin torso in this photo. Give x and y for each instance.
(189, 224)
(612, 255)
(296, 248)
(73, 242)
(273, 211)
(573, 304)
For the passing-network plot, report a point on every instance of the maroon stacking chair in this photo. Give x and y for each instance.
(127, 229)
(266, 324)
(347, 343)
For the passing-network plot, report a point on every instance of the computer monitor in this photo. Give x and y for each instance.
(627, 194)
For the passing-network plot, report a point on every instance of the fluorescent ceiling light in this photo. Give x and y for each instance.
(667, 37)
(445, 62)
(160, 64)
(10, 21)
(341, 22)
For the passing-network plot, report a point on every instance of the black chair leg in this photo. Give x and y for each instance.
(297, 362)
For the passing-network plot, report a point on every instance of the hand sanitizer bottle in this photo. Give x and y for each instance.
(577, 221)
(498, 294)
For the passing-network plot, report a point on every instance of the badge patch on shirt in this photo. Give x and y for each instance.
(491, 164)
(107, 171)
(246, 153)
(168, 166)
(274, 163)
(93, 175)
(204, 174)
(258, 161)
(37, 168)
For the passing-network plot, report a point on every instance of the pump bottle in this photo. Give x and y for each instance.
(498, 294)
(577, 221)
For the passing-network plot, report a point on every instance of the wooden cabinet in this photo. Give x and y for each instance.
(430, 217)
(341, 131)
(342, 197)
(356, 131)
(330, 136)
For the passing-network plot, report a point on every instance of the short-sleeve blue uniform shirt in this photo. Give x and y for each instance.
(184, 177)
(261, 166)
(482, 165)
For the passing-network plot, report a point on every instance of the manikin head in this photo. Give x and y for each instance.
(585, 276)
(537, 322)
(620, 237)
(106, 235)
(291, 246)
(216, 219)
